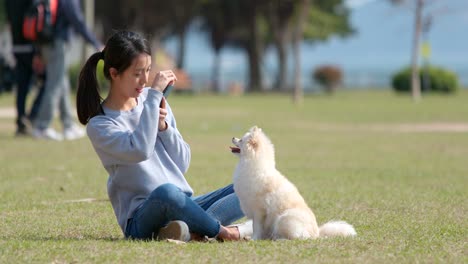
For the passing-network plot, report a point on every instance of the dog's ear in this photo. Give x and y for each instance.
(255, 129)
(253, 143)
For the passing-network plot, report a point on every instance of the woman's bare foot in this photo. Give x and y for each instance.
(228, 233)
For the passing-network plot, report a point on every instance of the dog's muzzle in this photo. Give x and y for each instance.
(235, 149)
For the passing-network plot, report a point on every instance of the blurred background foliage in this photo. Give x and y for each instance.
(433, 79)
(251, 27)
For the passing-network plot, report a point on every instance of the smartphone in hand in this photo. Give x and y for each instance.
(168, 90)
(166, 93)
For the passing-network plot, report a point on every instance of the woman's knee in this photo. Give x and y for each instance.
(168, 193)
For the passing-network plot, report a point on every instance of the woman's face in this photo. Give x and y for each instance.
(130, 83)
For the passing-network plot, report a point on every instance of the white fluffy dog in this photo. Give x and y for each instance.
(273, 203)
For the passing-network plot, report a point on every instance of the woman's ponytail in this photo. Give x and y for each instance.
(88, 99)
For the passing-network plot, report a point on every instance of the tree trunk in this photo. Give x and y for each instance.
(298, 36)
(297, 93)
(254, 53)
(89, 21)
(415, 80)
(215, 72)
(281, 47)
(255, 84)
(181, 49)
(279, 28)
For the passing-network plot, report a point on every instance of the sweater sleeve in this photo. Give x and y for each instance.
(74, 15)
(176, 147)
(123, 146)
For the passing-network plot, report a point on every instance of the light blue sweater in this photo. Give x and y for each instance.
(137, 156)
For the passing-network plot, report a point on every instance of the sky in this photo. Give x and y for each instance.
(381, 45)
(384, 35)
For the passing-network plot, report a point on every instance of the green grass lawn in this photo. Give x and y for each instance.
(405, 191)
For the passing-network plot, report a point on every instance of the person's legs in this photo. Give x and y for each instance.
(23, 79)
(55, 72)
(222, 204)
(65, 107)
(37, 101)
(54, 56)
(167, 203)
(71, 130)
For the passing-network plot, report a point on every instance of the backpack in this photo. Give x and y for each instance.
(39, 21)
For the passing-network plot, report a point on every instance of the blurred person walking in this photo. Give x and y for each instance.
(57, 86)
(28, 65)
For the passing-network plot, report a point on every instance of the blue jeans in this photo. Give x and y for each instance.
(57, 87)
(203, 214)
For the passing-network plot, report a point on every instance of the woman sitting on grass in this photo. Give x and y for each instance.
(134, 133)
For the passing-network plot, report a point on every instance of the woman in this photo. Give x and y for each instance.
(134, 133)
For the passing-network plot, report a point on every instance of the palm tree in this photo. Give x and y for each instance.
(297, 40)
(420, 14)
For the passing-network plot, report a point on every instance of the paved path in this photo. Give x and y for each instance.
(7, 112)
(10, 112)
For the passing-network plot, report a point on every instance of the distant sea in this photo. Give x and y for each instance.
(370, 71)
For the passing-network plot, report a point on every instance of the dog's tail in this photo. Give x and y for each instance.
(336, 228)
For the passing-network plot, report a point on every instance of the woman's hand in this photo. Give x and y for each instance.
(163, 79)
(162, 125)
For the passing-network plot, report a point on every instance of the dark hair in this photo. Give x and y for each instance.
(119, 52)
